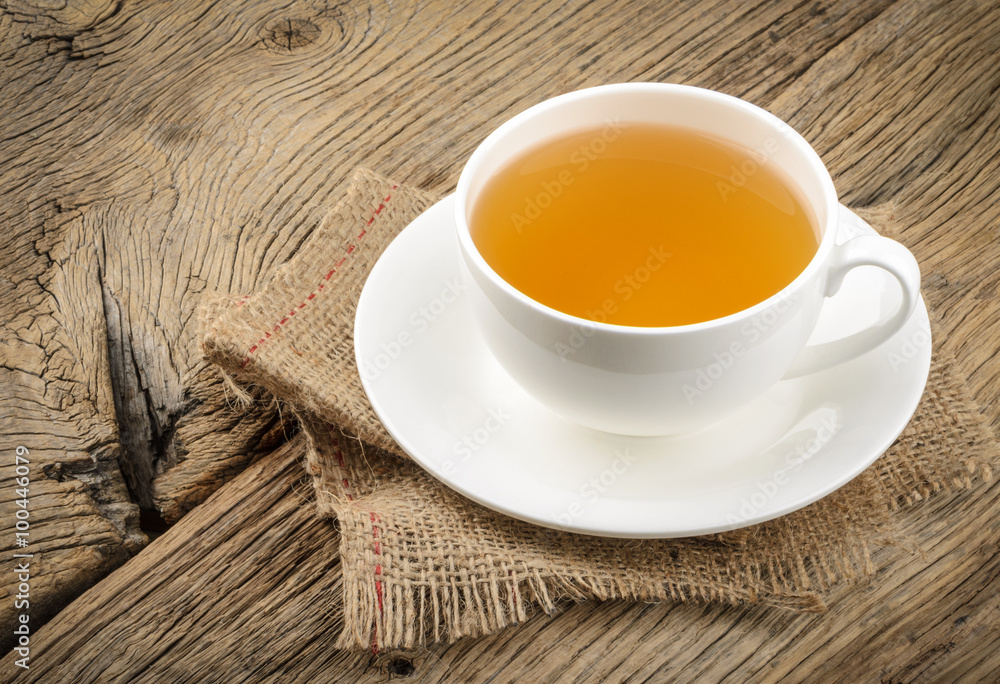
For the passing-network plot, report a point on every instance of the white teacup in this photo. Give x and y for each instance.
(650, 381)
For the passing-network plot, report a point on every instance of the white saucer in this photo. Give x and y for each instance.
(450, 406)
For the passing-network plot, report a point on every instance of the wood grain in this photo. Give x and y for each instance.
(154, 150)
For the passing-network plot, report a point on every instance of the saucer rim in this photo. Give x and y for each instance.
(813, 495)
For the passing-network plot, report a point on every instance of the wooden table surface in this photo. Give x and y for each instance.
(154, 150)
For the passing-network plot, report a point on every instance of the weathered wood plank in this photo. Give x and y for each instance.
(221, 595)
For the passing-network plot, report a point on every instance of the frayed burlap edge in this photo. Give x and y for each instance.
(389, 609)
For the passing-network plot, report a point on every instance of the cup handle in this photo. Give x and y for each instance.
(864, 250)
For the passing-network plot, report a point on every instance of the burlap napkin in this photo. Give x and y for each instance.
(422, 563)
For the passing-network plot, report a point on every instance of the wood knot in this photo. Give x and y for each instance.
(287, 35)
(400, 667)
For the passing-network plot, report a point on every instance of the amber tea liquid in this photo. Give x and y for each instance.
(644, 225)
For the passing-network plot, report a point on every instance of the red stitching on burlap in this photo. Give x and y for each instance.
(378, 582)
(343, 471)
(319, 287)
(340, 461)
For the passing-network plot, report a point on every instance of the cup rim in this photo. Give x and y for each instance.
(469, 249)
